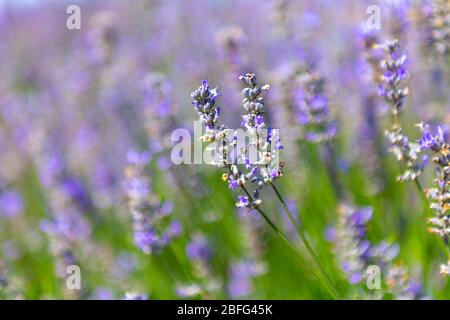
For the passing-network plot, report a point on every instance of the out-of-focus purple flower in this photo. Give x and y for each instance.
(242, 273)
(433, 142)
(148, 212)
(199, 248)
(437, 25)
(11, 203)
(312, 108)
(102, 294)
(354, 251)
(243, 202)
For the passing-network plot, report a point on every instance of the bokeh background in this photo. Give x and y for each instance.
(76, 106)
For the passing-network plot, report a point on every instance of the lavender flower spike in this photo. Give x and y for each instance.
(394, 73)
(438, 144)
(204, 102)
(150, 231)
(395, 93)
(313, 108)
(356, 253)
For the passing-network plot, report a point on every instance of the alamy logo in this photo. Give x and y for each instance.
(73, 281)
(373, 277)
(373, 21)
(226, 147)
(73, 21)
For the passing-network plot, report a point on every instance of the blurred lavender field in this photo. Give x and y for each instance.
(90, 196)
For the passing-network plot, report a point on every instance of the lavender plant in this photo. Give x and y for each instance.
(200, 252)
(151, 232)
(259, 173)
(356, 253)
(437, 21)
(395, 93)
(437, 143)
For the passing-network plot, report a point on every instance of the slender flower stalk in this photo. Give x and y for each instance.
(300, 232)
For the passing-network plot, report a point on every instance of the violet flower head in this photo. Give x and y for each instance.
(394, 73)
(241, 276)
(200, 252)
(231, 41)
(103, 37)
(204, 102)
(402, 287)
(11, 203)
(354, 251)
(313, 111)
(437, 25)
(437, 143)
(199, 248)
(261, 154)
(394, 91)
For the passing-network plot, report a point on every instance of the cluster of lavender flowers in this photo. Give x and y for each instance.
(370, 146)
(437, 17)
(151, 229)
(241, 276)
(313, 108)
(244, 271)
(437, 143)
(11, 203)
(103, 37)
(395, 93)
(261, 151)
(158, 109)
(356, 253)
(68, 202)
(231, 41)
(200, 252)
(414, 154)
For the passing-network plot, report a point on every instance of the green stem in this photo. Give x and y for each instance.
(302, 236)
(333, 292)
(422, 194)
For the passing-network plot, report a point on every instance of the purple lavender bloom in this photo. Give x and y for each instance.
(204, 100)
(437, 144)
(263, 147)
(437, 26)
(313, 110)
(433, 142)
(394, 73)
(242, 273)
(354, 251)
(102, 294)
(199, 248)
(11, 203)
(243, 202)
